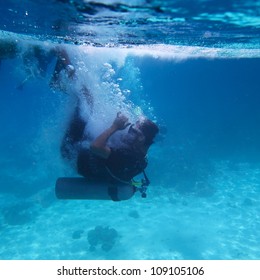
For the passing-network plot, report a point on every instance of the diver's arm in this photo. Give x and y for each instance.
(99, 145)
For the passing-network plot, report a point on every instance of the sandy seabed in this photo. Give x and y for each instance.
(222, 224)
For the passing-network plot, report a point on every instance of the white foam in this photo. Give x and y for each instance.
(171, 52)
(158, 51)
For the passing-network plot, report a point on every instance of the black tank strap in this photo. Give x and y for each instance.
(147, 181)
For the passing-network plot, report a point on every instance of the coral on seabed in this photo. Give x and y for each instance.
(103, 236)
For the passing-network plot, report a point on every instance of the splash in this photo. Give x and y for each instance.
(98, 73)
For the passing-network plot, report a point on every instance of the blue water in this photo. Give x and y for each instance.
(191, 66)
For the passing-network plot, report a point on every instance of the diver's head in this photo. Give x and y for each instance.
(149, 130)
(144, 130)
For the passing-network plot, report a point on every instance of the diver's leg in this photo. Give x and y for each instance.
(88, 97)
(63, 63)
(74, 134)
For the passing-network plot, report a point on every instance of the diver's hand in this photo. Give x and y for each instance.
(120, 122)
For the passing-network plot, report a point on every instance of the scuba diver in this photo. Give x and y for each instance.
(108, 165)
(117, 163)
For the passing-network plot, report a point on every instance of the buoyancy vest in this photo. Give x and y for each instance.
(122, 164)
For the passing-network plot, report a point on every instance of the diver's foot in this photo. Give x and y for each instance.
(57, 79)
